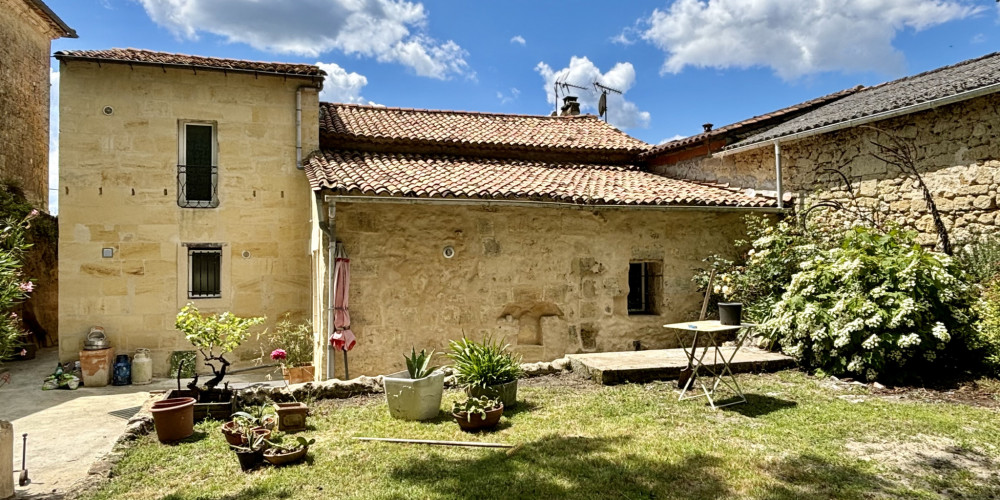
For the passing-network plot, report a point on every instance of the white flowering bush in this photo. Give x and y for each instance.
(879, 306)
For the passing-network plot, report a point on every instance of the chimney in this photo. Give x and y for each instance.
(570, 107)
(707, 127)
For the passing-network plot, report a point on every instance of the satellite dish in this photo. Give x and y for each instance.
(602, 105)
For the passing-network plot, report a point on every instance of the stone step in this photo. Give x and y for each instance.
(610, 368)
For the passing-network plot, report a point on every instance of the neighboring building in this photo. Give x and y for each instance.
(950, 117)
(538, 230)
(179, 183)
(27, 28)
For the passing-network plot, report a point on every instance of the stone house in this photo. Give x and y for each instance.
(27, 28)
(180, 181)
(949, 117)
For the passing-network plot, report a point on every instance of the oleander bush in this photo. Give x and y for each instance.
(878, 306)
(14, 287)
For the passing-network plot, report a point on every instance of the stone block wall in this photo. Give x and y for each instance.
(24, 100)
(957, 154)
(550, 281)
(118, 190)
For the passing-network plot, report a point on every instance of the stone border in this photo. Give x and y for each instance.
(141, 423)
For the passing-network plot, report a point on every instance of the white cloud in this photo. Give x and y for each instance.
(518, 39)
(341, 86)
(512, 96)
(978, 38)
(622, 113)
(676, 137)
(387, 30)
(793, 38)
(53, 142)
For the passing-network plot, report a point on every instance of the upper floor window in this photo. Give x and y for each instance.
(197, 169)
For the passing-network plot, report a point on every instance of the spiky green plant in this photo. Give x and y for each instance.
(482, 364)
(417, 364)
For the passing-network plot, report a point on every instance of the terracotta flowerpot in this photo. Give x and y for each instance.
(291, 416)
(276, 457)
(173, 419)
(298, 374)
(478, 422)
(234, 436)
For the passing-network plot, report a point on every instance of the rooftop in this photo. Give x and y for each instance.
(149, 57)
(443, 176)
(55, 22)
(913, 93)
(355, 124)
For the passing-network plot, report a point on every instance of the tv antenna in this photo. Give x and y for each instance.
(602, 104)
(565, 86)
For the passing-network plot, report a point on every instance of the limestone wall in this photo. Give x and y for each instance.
(514, 270)
(24, 100)
(118, 190)
(957, 152)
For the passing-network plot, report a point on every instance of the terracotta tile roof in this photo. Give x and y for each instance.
(148, 57)
(430, 176)
(749, 125)
(54, 21)
(949, 81)
(381, 125)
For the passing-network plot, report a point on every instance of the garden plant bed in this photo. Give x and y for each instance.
(797, 437)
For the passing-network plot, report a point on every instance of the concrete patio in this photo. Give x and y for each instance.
(610, 368)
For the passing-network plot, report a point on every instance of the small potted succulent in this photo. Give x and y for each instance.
(259, 419)
(279, 454)
(415, 394)
(251, 451)
(477, 413)
(486, 368)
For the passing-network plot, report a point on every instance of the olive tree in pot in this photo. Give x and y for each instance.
(486, 368)
(415, 394)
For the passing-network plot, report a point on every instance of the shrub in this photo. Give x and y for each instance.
(773, 251)
(294, 339)
(980, 258)
(14, 288)
(224, 332)
(987, 339)
(482, 364)
(877, 306)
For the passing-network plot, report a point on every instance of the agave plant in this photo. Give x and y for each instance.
(417, 364)
(483, 364)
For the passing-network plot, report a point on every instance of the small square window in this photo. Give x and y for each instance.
(204, 273)
(643, 287)
(197, 170)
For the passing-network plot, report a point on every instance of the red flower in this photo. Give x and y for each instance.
(278, 354)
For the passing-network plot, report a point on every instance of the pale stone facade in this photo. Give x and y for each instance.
(119, 155)
(25, 36)
(958, 156)
(518, 271)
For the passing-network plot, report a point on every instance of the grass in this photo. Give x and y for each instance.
(797, 438)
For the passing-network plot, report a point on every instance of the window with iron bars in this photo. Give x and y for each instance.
(204, 272)
(643, 287)
(197, 172)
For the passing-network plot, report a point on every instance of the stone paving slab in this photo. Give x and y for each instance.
(610, 368)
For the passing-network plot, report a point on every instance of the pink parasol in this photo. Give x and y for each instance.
(342, 337)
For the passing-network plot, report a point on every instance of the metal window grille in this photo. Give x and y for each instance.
(643, 279)
(204, 273)
(197, 186)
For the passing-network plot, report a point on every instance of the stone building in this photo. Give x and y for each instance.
(949, 118)
(27, 28)
(180, 183)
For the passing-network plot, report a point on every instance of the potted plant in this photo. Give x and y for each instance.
(173, 419)
(486, 368)
(259, 420)
(213, 336)
(251, 451)
(291, 345)
(477, 413)
(279, 454)
(291, 416)
(415, 394)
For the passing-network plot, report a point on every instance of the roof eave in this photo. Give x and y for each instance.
(863, 120)
(56, 21)
(71, 57)
(330, 197)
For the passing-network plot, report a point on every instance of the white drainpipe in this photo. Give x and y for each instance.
(777, 175)
(331, 284)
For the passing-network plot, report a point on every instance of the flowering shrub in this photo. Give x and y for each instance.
(760, 276)
(988, 334)
(877, 306)
(13, 287)
(291, 343)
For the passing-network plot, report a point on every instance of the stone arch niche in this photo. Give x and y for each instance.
(528, 315)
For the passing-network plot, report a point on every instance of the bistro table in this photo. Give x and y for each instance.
(719, 375)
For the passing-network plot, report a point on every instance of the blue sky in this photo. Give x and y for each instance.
(680, 63)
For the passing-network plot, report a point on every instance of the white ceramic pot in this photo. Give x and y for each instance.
(413, 399)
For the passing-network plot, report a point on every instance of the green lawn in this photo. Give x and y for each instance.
(798, 438)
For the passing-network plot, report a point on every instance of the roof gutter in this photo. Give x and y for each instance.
(336, 198)
(914, 108)
(69, 57)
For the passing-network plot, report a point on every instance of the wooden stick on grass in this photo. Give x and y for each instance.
(438, 443)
